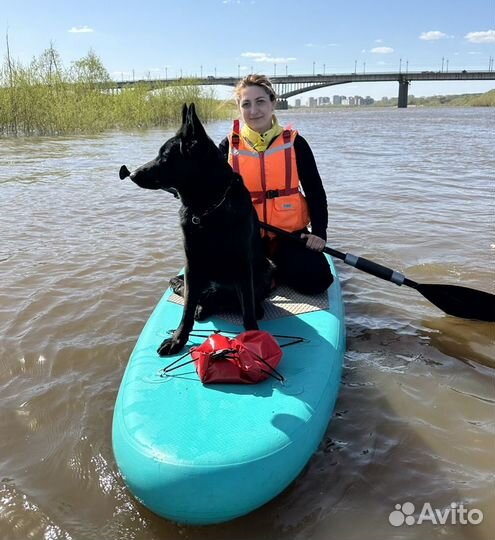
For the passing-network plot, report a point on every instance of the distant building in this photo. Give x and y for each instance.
(325, 101)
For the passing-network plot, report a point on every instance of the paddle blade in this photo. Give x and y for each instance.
(460, 301)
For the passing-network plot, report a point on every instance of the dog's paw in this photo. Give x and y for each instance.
(177, 285)
(170, 346)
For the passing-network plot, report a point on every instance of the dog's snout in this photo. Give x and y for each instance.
(124, 172)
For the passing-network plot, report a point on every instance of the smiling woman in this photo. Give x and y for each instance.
(277, 165)
(257, 109)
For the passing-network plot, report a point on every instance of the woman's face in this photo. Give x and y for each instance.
(256, 108)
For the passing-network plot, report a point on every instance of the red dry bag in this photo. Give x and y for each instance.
(249, 358)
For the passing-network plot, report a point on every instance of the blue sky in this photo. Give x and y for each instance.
(227, 37)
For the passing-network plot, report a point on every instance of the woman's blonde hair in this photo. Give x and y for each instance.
(255, 79)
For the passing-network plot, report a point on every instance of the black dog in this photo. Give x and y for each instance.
(221, 231)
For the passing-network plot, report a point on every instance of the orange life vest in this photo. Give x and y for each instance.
(272, 179)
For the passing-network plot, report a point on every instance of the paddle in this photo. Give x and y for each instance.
(453, 299)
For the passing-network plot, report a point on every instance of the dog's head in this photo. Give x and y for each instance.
(180, 160)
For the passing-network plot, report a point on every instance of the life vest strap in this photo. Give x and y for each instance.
(288, 161)
(236, 140)
(261, 196)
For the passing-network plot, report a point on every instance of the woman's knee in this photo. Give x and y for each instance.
(309, 274)
(314, 282)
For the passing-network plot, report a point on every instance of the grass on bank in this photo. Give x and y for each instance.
(44, 98)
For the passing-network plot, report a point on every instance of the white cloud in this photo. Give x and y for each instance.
(322, 46)
(382, 50)
(432, 35)
(253, 54)
(81, 29)
(481, 37)
(263, 57)
(277, 59)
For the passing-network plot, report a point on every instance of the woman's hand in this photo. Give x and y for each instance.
(313, 242)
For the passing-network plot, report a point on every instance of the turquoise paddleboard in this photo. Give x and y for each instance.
(206, 454)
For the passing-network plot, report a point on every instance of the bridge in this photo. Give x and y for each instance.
(292, 85)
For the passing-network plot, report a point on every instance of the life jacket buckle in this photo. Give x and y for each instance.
(272, 194)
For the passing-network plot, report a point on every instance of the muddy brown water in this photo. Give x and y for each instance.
(84, 257)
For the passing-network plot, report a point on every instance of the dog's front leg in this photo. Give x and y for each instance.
(245, 292)
(194, 285)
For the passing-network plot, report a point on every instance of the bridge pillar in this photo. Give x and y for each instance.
(282, 104)
(403, 90)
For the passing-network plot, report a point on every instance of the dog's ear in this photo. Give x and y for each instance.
(198, 126)
(188, 140)
(192, 131)
(194, 127)
(184, 113)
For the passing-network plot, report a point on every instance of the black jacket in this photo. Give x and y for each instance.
(310, 182)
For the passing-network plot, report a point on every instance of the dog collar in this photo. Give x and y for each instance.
(196, 219)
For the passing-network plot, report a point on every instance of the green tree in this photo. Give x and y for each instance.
(90, 70)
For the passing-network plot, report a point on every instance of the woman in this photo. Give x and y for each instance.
(275, 164)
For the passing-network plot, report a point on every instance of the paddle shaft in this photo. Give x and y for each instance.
(360, 263)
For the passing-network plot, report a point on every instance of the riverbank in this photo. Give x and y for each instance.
(45, 98)
(486, 99)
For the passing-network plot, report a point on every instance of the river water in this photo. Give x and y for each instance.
(85, 257)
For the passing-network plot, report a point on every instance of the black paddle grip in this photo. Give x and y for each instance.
(374, 269)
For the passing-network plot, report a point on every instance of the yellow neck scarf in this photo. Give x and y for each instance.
(261, 141)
